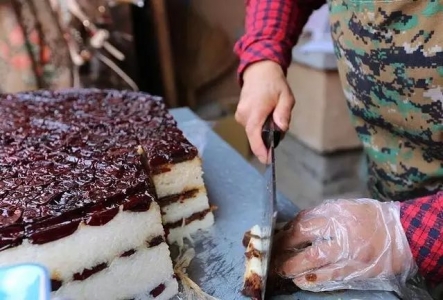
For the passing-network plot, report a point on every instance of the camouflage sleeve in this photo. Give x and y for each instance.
(422, 220)
(272, 29)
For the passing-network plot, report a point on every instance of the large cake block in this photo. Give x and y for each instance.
(76, 196)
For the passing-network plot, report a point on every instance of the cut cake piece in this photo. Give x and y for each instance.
(176, 171)
(252, 281)
(75, 197)
(181, 192)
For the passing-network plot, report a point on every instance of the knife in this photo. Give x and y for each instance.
(271, 136)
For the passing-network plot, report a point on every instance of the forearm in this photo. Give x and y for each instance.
(272, 29)
(422, 220)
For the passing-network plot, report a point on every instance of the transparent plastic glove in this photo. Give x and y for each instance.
(346, 244)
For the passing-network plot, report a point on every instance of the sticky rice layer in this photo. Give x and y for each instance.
(178, 178)
(133, 277)
(254, 265)
(89, 245)
(185, 206)
(177, 234)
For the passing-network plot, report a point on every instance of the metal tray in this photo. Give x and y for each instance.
(236, 188)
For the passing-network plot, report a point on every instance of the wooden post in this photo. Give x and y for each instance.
(165, 52)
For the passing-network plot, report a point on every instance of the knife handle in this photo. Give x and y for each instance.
(270, 127)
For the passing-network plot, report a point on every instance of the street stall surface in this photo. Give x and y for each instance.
(237, 189)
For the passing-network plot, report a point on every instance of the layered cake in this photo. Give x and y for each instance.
(92, 185)
(179, 184)
(252, 281)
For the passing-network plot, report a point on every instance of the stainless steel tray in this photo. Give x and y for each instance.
(235, 187)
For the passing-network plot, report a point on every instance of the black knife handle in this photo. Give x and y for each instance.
(268, 127)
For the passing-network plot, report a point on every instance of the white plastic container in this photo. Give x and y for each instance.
(24, 282)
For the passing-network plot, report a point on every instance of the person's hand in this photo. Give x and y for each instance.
(346, 244)
(265, 91)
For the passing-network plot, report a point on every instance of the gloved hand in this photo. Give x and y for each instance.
(346, 244)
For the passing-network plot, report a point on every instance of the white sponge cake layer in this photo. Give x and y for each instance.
(184, 208)
(254, 267)
(177, 234)
(89, 245)
(181, 177)
(254, 264)
(130, 277)
(252, 281)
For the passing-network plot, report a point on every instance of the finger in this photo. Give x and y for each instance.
(303, 229)
(253, 131)
(290, 236)
(295, 239)
(283, 109)
(316, 256)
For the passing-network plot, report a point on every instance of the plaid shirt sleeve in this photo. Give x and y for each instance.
(272, 29)
(422, 220)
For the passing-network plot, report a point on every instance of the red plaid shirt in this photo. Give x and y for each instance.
(272, 29)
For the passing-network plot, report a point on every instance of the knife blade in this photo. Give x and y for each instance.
(271, 136)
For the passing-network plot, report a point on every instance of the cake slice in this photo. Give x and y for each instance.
(181, 193)
(252, 281)
(176, 171)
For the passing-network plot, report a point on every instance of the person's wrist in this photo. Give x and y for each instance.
(262, 68)
(403, 260)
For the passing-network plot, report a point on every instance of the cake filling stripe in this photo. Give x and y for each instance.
(158, 290)
(158, 167)
(88, 272)
(56, 228)
(252, 286)
(247, 238)
(128, 253)
(165, 201)
(253, 253)
(156, 241)
(56, 284)
(194, 217)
